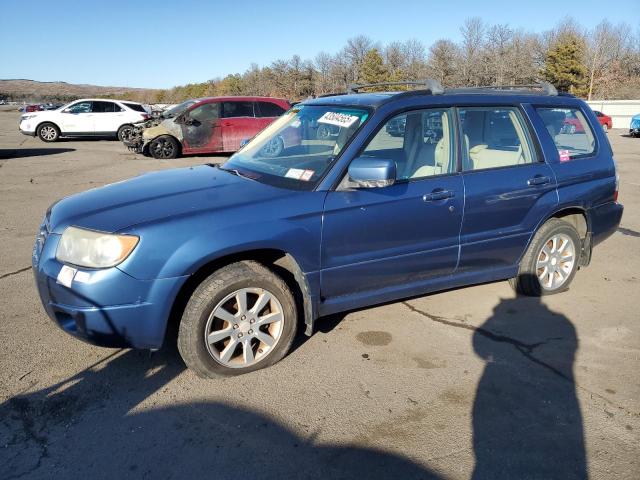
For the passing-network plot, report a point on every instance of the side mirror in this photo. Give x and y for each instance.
(372, 172)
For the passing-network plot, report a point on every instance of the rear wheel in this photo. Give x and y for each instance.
(125, 132)
(48, 132)
(551, 261)
(164, 147)
(240, 319)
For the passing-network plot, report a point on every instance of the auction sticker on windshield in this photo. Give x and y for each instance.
(338, 119)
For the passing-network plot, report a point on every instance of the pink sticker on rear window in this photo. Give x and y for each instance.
(565, 156)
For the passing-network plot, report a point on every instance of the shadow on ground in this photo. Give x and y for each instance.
(7, 154)
(85, 428)
(527, 421)
(526, 418)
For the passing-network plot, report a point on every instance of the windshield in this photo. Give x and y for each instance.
(299, 147)
(178, 109)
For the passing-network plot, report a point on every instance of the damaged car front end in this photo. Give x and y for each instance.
(136, 140)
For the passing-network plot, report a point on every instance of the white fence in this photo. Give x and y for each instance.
(620, 111)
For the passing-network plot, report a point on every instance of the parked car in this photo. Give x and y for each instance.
(84, 118)
(605, 120)
(210, 125)
(243, 254)
(132, 138)
(634, 127)
(33, 108)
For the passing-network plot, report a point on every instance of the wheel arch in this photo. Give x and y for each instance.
(48, 121)
(281, 262)
(575, 215)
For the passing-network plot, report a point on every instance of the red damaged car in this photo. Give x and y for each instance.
(211, 125)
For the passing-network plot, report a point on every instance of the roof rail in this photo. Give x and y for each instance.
(546, 87)
(433, 86)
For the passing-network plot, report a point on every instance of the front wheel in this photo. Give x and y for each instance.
(551, 261)
(240, 319)
(48, 132)
(164, 148)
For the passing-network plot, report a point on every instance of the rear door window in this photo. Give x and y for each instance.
(494, 137)
(105, 107)
(268, 109)
(570, 131)
(237, 109)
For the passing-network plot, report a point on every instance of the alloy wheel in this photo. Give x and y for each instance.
(556, 260)
(244, 327)
(48, 132)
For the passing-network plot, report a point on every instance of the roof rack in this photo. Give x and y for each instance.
(546, 87)
(433, 86)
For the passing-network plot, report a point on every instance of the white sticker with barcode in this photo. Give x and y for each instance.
(338, 119)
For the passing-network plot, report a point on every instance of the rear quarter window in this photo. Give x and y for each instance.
(570, 132)
(135, 107)
(268, 109)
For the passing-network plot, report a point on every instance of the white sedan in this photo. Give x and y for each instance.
(84, 118)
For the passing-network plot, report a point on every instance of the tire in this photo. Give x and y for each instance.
(165, 147)
(48, 132)
(605, 127)
(124, 132)
(213, 313)
(273, 148)
(543, 252)
(324, 132)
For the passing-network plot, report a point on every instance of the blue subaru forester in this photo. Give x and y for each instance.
(479, 185)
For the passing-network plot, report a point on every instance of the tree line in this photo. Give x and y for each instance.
(603, 63)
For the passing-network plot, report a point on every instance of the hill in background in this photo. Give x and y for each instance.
(31, 91)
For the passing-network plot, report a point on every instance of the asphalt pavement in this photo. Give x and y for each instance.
(473, 382)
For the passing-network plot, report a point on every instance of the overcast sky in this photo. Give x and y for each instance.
(130, 43)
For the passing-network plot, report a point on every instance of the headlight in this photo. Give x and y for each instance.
(27, 117)
(87, 248)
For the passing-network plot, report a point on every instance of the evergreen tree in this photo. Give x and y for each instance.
(564, 66)
(373, 69)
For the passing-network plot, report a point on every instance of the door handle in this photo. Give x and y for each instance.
(538, 180)
(437, 195)
(226, 124)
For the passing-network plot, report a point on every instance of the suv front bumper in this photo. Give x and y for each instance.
(108, 307)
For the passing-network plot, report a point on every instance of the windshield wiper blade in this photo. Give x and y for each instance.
(235, 171)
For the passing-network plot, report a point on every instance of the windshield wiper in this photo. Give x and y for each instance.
(235, 171)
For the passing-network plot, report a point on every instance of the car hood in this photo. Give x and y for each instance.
(156, 196)
(166, 127)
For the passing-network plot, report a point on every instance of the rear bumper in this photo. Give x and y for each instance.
(109, 308)
(605, 220)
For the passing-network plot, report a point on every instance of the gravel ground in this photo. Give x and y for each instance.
(469, 382)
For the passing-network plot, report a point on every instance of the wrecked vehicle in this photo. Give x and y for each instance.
(211, 125)
(134, 135)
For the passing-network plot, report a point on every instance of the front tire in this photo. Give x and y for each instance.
(48, 132)
(164, 147)
(551, 261)
(241, 318)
